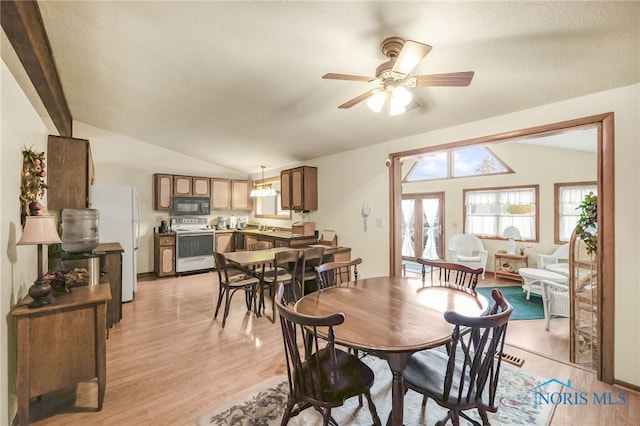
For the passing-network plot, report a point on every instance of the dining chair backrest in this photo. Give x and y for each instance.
(467, 376)
(310, 259)
(334, 273)
(451, 273)
(285, 266)
(319, 374)
(260, 245)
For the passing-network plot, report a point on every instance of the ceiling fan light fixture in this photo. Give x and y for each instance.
(377, 101)
(398, 100)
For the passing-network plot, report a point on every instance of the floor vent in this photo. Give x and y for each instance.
(512, 359)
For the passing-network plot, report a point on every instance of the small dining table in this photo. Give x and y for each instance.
(254, 257)
(393, 317)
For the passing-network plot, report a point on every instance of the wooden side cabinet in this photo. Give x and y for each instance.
(61, 344)
(69, 173)
(299, 189)
(111, 273)
(164, 248)
(507, 265)
(162, 191)
(220, 194)
(240, 190)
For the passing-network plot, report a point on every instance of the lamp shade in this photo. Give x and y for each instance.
(39, 230)
(512, 232)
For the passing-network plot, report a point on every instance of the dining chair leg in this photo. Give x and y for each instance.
(220, 296)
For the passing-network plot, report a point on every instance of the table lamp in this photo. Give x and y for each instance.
(39, 230)
(512, 233)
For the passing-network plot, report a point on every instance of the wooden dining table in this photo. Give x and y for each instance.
(393, 317)
(249, 258)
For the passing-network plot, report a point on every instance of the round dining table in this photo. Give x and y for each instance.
(393, 317)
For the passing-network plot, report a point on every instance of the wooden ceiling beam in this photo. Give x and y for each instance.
(22, 22)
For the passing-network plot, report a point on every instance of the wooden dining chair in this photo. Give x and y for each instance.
(334, 273)
(450, 273)
(311, 258)
(320, 375)
(467, 376)
(231, 280)
(283, 272)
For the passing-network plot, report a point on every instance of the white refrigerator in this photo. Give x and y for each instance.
(119, 221)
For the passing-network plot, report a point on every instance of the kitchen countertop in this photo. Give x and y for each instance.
(276, 234)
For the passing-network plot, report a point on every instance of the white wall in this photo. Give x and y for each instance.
(21, 128)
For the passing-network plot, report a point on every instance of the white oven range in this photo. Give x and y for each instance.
(194, 244)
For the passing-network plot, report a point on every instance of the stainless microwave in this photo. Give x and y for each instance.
(191, 206)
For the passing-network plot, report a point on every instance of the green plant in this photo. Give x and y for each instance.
(587, 226)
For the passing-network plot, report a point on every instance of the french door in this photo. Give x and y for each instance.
(422, 225)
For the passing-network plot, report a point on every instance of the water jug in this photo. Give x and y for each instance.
(80, 230)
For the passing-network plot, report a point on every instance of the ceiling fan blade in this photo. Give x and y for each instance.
(411, 54)
(358, 99)
(449, 79)
(349, 77)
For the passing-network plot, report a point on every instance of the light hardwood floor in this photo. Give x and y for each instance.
(168, 361)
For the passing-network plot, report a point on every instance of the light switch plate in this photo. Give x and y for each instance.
(379, 222)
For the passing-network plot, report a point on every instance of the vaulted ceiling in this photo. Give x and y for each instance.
(239, 83)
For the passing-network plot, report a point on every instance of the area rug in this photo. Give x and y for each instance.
(523, 309)
(265, 406)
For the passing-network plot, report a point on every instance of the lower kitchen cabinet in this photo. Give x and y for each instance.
(224, 242)
(164, 255)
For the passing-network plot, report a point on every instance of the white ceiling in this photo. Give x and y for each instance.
(239, 83)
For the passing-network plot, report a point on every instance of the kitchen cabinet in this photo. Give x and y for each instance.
(61, 345)
(240, 199)
(200, 186)
(299, 189)
(182, 186)
(162, 191)
(70, 173)
(220, 194)
(224, 241)
(164, 258)
(187, 186)
(111, 273)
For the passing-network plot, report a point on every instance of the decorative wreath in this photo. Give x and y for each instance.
(33, 184)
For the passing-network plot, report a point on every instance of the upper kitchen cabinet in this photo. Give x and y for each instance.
(70, 173)
(299, 188)
(240, 190)
(220, 194)
(200, 187)
(186, 186)
(182, 185)
(162, 191)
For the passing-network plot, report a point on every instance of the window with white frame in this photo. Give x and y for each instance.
(568, 197)
(489, 211)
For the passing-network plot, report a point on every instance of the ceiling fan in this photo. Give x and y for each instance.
(394, 75)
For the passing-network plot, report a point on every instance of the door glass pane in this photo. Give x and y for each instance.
(408, 207)
(431, 228)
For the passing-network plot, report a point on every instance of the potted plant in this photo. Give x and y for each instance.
(587, 226)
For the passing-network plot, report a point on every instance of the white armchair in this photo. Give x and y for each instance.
(555, 300)
(556, 262)
(468, 250)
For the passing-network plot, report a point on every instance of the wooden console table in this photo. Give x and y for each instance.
(515, 262)
(61, 344)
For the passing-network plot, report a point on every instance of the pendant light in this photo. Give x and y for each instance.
(263, 189)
